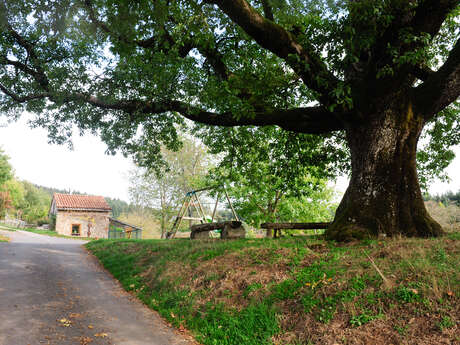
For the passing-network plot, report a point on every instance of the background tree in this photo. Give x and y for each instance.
(163, 190)
(145, 218)
(446, 198)
(15, 191)
(377, 72)
(256, 206)
(36, 204)
(274, 180)
(6, 173)
(118, 206)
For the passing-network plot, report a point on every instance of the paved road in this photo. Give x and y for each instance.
(53, 292)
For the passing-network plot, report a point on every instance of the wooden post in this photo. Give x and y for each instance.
(201, 208)
(231, 206)
(179, 219)
(215, 208)
(196, 207)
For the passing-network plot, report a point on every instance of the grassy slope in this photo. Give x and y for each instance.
(296, 290)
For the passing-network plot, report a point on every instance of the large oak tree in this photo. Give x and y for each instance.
(372, 72)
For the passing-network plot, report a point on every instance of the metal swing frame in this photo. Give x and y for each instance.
(192, 199)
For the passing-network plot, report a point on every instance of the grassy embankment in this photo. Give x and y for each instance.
(296, 290)
(43, 232)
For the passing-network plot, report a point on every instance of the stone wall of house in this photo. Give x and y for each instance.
(98, 221)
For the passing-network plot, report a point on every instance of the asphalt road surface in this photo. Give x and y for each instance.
(53, 292)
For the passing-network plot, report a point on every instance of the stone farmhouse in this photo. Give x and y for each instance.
(80, 215)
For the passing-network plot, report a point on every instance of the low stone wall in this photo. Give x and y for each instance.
(96, 222)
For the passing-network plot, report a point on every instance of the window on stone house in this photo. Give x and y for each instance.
(75, 229)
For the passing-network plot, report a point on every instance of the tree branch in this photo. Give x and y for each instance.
(430, 15)
(23, 99)
(314, 120)
(268, 12)
(38, 74)
(422, 72)
(304, 60)
(442, 87)
(426, 18)
(215, 59)
(40, 78)
(164, 41)
(306, 120)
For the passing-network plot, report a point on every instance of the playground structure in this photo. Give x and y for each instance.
(229, 228)
(192, 204)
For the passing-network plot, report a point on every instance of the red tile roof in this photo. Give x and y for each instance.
(80, 202)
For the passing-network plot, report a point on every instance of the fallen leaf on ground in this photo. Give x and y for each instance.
(74, 315)
(65, 322)
(90, 326)
(102, 335)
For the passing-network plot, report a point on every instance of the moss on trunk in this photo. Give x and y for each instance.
(384, 195)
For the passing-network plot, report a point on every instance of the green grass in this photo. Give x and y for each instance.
(255, 291)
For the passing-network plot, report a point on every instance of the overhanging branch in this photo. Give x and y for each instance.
(442, 87)
(164, 41)
(23, 98)
(314, 120)
(268, 12)
(425, 19)
(304, 60)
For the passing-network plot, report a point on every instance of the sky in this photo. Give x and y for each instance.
(86, 168)
(89, 170)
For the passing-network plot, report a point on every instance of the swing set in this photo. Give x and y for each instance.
(192, 204)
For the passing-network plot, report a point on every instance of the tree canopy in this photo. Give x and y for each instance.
(372, 74)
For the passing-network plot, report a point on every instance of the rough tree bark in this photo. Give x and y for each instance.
(384, 195)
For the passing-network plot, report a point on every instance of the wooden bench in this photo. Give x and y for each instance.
(277, 227)
(230, 229)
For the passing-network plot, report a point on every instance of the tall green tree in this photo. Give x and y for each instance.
(271, 180)
(372, 73)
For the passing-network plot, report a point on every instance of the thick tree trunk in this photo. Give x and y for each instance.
(384, 195)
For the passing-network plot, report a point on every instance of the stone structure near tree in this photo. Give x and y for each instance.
(80, 215)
